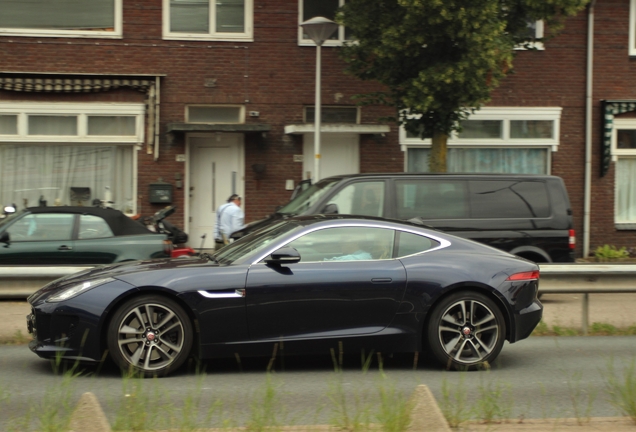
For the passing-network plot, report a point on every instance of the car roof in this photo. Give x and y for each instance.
(454, 175)
(311, 219)
(118, 222)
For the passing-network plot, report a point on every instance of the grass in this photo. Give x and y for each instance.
(621, 388)
(596, 329)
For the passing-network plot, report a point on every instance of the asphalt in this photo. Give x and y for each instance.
(561, 310)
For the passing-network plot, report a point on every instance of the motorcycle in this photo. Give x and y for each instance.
(158, 223)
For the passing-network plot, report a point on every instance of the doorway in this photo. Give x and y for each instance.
(216, 171)
(339, 154)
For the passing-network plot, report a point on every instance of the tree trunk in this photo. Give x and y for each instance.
(437, 159)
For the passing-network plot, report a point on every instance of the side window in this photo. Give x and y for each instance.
(509, 199)
(361, 198)
(431, 199)
(409, 244)
(93, 227)
(345, 244)
(59, 18)
(42, 227)
(208, 20)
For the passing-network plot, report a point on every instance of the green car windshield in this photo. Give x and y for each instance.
(253, 242)
(11, 216)
(308, 197)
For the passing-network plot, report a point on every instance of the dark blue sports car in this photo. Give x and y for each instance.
(309, 282)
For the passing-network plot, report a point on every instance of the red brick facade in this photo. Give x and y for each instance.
(275, 76)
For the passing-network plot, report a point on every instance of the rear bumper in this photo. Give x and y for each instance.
(526, 320)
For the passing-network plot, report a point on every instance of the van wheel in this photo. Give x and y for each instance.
(151, 335)
(466, 331)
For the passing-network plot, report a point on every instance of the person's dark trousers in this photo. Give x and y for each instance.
(218, 245)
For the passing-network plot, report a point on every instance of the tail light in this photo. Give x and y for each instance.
(571, 239)
(529, 275)
(167, 247)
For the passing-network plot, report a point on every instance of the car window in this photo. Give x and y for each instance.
(360, 198)
(93, 227)
(345, 244)
(509, 199)
(253, 242)
(431, 199)
(42, 227)
(409, 244)
(308, 197)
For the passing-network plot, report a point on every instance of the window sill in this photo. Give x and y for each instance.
(625, 226)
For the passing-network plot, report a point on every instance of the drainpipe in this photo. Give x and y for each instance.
(588, 129)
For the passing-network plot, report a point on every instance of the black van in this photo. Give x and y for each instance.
(526, 215)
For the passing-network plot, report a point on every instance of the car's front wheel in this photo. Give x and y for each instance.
(150, 335)
(466, 330)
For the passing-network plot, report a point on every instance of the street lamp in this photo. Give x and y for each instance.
(319, 29)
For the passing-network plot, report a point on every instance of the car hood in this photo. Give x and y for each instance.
(121, 271)
(253, 226)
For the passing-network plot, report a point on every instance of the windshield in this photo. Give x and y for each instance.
(9, 217)
(253, 242)
(308, 197)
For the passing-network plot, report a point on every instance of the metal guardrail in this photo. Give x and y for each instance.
(21, 281)
(585, 279)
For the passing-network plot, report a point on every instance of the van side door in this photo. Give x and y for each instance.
(365, 198)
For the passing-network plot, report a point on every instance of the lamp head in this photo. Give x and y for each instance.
(319, 29)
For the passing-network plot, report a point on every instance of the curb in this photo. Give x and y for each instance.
(426, 416)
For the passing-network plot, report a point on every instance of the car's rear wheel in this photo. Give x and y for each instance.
(466, 330)
(150, 335)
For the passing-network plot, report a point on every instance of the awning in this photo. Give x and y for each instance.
(337, 128)
(610, 108)
(33, 82)
(174, 129)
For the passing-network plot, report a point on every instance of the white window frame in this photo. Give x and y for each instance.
(505, 114)
(329, 42)
(247, 36)
(241, 119)
(82, 111)
(117, 32)
(623, 124)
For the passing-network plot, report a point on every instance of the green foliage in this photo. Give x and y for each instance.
(606, 252)
(454, 403)
(440, 59)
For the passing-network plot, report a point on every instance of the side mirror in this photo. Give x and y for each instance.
(330, 209)
(4, 238)
(284, 255)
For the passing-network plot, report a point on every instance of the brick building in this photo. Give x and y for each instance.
(127, 99)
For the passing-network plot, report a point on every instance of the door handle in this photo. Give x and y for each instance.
(65, 248)
(381, 280)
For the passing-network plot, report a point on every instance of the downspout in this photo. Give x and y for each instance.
(157, 105)
(588, 130)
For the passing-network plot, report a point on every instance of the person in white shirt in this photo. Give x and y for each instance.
(229, 218)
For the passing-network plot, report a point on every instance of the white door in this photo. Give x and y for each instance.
(339, 154)
(216, 171)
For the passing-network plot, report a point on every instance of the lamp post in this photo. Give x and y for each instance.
(319, 29)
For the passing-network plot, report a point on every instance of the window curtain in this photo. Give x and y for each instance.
(28, 173)
(484, 160)
(626, 190)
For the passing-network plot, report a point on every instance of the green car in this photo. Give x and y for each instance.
(76, 235)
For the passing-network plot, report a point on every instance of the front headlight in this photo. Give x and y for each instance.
(78, 288)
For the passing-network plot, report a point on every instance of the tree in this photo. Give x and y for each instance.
(439, 60)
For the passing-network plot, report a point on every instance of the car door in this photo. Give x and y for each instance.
(345, 284)
(43, 238)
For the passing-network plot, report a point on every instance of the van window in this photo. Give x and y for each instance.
(361, 198)
(509, 199)
(431, 199)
